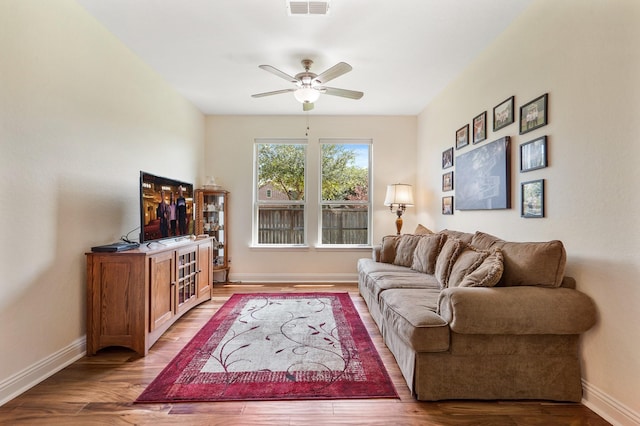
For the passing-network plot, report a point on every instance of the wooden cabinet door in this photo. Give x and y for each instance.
(162, 289)
(205, 277)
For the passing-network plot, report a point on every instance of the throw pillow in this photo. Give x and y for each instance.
(469, 259)
(388, 250)
(488, 273)
(447, 257)
(426, 253)
(421, 230)
(404, 251)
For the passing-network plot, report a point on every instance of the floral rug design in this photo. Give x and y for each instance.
(275, 347)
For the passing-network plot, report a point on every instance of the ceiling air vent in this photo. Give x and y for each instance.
(307, 7)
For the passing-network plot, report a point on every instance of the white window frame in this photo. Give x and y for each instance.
(368, 203)
(257, 203)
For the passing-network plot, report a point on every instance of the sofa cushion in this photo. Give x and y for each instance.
(537, 264)
(404, 250)
(462, 236)
(447, 257)
(422, 230)
(412, 316)
(489, 272)
(388, 250)
(426, 253)
(378, 282)
(469, 259)
(484, 241)
(527, 263)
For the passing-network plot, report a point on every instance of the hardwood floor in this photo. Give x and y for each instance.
(99, 390)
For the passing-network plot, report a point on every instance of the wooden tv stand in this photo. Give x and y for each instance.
(134, 296)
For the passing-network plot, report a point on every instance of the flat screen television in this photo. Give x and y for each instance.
(166, 208)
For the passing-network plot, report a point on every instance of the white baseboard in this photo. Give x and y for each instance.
(43, 369)
(294, 278)
(607, 407)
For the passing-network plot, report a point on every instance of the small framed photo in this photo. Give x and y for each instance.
(480, 128)
(447, 158)
(462, 136)
(503, 114)
(532, 199)
(533, 114)
(447, 182)
(447, 205)
(533, 154)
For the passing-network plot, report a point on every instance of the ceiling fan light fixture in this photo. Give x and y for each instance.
(306, 94)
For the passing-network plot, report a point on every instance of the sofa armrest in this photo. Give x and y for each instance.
(516, 310)
(376, 252)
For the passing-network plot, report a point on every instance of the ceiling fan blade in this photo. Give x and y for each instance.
(307, 106)
(351, 94)
(335, 71)
(275, 92)
(276, 71)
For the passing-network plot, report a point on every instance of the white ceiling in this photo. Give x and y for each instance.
(403, 52)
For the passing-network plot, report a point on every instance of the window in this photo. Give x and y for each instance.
(280, 205)
(345, 217)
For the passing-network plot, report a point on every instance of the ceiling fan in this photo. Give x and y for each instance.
(310, 85)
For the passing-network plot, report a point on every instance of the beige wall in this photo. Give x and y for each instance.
(586, 55)
(80, 116)
(229, 158)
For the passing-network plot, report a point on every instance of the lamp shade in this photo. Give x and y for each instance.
(399, 194)
(306, 94)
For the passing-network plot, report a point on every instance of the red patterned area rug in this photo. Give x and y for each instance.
(279, 346)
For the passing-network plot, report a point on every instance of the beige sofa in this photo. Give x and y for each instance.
(470, 316)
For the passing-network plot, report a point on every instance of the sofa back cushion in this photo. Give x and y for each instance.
(529, 263)
(426, 253)
(462, 236)
(537, 264)
(404, 250)
(388, 250)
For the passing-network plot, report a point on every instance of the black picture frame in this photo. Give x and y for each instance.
(533, 154)
(447, 158)
(447, 182)
(462, 136)
(533, 114)
(483, 177)
(479, 126)
(447, 205)
(532, 199)
(503, 113)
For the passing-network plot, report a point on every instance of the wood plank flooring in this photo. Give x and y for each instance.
(99, 390)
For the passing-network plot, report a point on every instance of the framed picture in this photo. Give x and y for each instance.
(447, 205)
(480, 127)
(533, 114)
(532, 198)
(503, 114)
(447, 158)
(533, 154)
(447, 182)
(483, 177)
(462, 136)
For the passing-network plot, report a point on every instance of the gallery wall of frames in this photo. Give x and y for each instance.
(482, 167)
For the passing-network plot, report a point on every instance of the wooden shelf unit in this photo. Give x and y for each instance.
(212, 219)
(134, 296)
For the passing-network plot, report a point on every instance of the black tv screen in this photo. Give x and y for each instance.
(166, 208)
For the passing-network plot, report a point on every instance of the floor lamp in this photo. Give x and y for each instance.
(399, 195)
